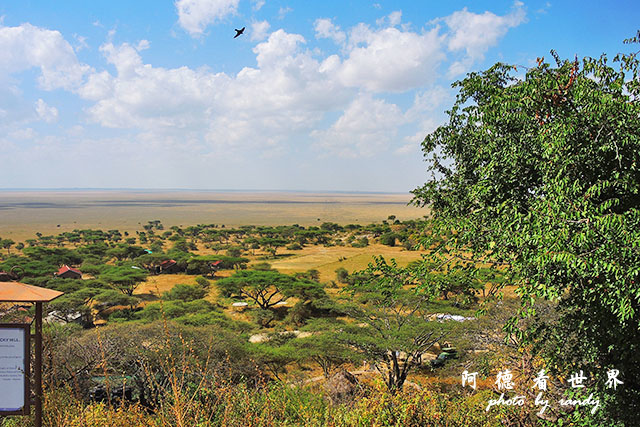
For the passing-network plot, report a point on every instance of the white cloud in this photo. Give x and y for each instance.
(367, 127)
(280, 46)
(260, 107)
(283, 11)
(276, 106)
(81, 43)
(394, 19)
(428, 101)
(26, 46)
(408, 148)
(98, 86)
(325, 29)
(195, 15)
(147, 97)
(257, 4)
(259, 30)
(143, 45)
(391, 60)
(476, 33)
(23, 134)
(45, 112)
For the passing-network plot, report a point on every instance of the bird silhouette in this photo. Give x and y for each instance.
(239, 32)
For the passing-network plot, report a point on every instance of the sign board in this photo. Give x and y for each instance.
(14, 368)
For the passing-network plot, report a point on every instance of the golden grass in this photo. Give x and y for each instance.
(327, 259)
(22, 214)
(157, 285)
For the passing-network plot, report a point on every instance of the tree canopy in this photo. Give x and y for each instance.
(540, 175)
(392, 328)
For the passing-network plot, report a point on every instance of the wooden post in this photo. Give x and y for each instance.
(20, 292)
(38, 366)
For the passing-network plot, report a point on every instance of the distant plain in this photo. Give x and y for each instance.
(23, 213)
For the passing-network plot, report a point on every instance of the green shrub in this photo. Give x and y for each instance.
(185, 292)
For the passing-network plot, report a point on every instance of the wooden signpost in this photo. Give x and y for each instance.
(15, 391)
(15, 353)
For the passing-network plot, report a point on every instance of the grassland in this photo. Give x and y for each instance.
(327, 259)
(23, 213)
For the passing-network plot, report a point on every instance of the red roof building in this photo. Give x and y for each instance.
(168, 263)
(169, 266)
(67, 272)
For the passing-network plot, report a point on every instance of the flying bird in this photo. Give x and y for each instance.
(239, 32)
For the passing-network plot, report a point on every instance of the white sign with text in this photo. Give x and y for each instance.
(12, 369)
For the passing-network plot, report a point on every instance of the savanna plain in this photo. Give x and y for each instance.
(252, 309)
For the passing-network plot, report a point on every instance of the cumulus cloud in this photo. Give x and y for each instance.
(287, 94)
(395, 18)
(280, 46)
(325, 29)
(259, 30)
(367, 127)
(391, 60)
(195, 15)
(25, 47)
(143, 96)
(23, 134)
(285, 99)
(45, 112)
(475, 33)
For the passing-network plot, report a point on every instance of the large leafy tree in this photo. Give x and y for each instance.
(540, 175)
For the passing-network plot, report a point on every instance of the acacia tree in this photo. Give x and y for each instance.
(6, 244)
(265, 288)
(125, 278)
(392, 327)
(324, 346)
(541, 176)
(271, 244)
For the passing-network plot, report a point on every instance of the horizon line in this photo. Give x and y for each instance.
(223, 190)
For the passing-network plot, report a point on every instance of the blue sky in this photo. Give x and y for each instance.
(331, 95)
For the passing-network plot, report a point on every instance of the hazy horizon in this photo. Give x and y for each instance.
(23, 213)
(206, 190)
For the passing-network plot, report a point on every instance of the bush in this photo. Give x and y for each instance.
(362, 242)
(203, 283)
(263, 318)
(342, 275)
(185, 293)
(298, 314)
(388, 239)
